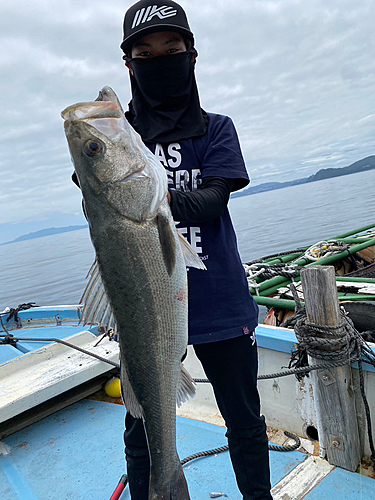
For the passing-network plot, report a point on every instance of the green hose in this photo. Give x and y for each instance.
(268, 287)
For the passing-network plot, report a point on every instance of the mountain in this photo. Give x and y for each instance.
(45, 232)
(359, 166)
(325, 173)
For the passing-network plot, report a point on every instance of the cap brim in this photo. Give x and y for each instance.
(128, 42)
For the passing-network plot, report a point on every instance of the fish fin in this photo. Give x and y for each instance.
(167, 242)
(128, 395)
(177, 489)
(97, 309)
(190, 256)
(186, 387)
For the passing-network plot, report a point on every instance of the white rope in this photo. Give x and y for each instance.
(324, 249)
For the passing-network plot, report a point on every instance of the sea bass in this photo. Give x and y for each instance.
(139, 279)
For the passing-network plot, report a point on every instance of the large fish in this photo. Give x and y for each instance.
(141, 261)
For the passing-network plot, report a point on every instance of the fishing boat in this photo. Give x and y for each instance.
(61, 435)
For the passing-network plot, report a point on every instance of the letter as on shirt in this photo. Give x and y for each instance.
(182, 180)
(175, 160)
(193, 237)
(159, 153)
(194, 176)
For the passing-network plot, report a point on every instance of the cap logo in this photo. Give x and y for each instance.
(145, 15)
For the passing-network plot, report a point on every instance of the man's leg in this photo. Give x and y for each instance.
(232, 366)
(137, 458)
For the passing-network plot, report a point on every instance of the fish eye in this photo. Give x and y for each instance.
(93, 148)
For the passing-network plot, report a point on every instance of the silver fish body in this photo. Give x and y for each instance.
(141, 264)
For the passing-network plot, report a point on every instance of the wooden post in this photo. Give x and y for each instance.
(333, 393)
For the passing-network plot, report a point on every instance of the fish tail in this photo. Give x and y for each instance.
(175, 490)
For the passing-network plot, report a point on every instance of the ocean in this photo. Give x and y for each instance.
(52, 270)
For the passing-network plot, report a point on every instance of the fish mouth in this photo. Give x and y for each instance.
(105, 114)
(84, 111)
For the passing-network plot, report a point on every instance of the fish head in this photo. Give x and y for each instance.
(112, 163)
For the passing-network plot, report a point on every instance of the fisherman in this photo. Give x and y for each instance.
(201, 154)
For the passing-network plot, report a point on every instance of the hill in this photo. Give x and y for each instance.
(45, 232)
(325, 173)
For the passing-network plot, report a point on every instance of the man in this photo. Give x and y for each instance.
(201, 154)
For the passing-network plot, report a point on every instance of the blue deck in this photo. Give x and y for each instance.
(77, 453)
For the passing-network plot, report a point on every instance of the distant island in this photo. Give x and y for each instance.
(325, 173)
(45, 232)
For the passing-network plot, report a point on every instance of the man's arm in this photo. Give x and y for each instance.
(205, 204)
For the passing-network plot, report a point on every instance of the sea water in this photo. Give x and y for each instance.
(52, 270)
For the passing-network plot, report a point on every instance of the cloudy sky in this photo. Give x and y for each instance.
(296, 76)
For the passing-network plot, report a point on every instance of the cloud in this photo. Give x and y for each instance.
(298, 79)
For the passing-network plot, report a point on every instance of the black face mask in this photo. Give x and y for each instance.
(165, 105)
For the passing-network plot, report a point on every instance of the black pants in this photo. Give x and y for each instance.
(231, 366)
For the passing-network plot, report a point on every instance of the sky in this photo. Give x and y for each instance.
(297, 77)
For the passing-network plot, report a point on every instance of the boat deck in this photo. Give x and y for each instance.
(77, 453)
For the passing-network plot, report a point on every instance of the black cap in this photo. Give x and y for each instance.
(148, 16)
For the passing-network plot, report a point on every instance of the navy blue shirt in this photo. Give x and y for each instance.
(220, 304)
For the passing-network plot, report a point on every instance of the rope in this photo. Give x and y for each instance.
(207, 453)
(367, 412)
(292, 447)
(293, 371)
(216, 451)
(324, 249)
(13, 313)
(339, 341)
(275, 256)
(9, 339)
(267, 271)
